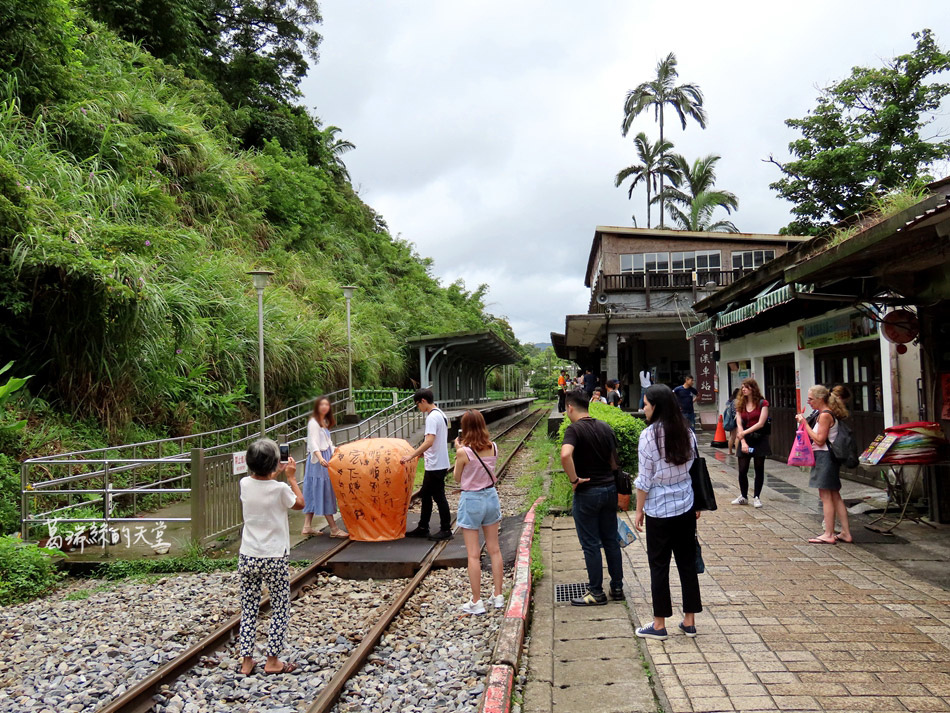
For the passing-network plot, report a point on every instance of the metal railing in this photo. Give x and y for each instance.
(108, 479)
(640, 281)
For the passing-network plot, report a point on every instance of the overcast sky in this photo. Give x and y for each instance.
(488, 133)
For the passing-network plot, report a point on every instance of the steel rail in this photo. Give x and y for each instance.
(331, 692)
(139, 698)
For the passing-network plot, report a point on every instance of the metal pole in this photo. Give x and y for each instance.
(349, 351)
(260, 353)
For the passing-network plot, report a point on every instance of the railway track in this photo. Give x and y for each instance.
(139, 698)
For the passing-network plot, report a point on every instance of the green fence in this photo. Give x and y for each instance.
(370, 401)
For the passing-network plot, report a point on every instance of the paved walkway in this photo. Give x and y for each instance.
(787, 626)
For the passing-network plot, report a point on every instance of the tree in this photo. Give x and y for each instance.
(866, 138)
(693, 206)
(654, 164)
(686, 100)
(336, 148)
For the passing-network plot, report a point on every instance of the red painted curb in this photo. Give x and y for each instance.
(497, 696)
(501, 676)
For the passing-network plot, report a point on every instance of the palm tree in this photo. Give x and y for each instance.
(336, 148)
(692, 203)
(686, 100)
(654, 165)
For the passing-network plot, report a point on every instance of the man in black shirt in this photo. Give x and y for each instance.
(590, 383)
(613, 395)
(589, 458)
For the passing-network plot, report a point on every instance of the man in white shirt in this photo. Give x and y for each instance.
(646, 381)
(435, 451)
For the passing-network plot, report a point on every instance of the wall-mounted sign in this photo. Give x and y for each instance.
(239, 462)
(835, 330)
(705, 345)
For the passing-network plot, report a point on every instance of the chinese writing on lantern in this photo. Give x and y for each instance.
(705, 346)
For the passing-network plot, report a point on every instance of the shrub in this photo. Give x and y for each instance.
(627, 428)
(26, 571)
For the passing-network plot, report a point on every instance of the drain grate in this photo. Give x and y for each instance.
(566, 592)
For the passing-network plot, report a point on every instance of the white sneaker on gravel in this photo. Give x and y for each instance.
(471, 607)
(756, 503)
(498, 601)
(740, 501)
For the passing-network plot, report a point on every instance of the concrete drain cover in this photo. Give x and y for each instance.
(566, 592)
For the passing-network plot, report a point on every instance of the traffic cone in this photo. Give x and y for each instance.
(719, 440)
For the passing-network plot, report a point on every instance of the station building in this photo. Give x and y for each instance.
(868, 310)
(643, 283)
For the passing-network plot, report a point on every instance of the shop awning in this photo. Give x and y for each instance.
(776, 297)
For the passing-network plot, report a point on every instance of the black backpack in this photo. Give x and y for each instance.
(844, 448)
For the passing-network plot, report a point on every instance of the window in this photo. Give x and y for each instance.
(671, 262)
(751, 259)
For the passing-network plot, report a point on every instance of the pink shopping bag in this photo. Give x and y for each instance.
(802, 453)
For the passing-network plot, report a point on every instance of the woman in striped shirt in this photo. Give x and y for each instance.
(665, 499)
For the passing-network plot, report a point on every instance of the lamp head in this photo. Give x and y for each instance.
(348, 291)
(261, 278)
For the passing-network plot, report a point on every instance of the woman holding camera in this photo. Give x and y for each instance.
(479, 507)
(665, 500)
(265, 547)
(317, 490)
(752, 447)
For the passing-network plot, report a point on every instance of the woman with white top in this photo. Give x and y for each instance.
(317, 489)
(265, 546)
(665, 499)
(479, 507)
(822, 429)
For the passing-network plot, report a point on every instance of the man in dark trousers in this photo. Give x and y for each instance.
(435, 450)
(589, 458)
(686, 395)
(561, 390)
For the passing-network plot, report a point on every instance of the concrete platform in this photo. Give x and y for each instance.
(554, 421)
(398, 559)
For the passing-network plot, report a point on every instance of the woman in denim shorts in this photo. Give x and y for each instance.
(479, 506)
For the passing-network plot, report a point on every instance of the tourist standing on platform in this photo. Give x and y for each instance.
(479, 507)
(590, 383)
(686, 396)
(318, 495)
(665, 500)
(752, 418)
(435, 451)
(822, 429)
(729, 421)
(561, 390)
(265, 546)
(646, 381)
(589, 458)
(613, 394)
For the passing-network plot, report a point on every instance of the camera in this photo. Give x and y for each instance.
(284, 452)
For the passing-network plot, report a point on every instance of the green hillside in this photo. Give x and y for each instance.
(133, 199)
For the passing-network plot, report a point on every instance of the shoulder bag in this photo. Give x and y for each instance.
(703, 496)
(487, 469)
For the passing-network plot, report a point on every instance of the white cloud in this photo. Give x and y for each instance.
(488, 133)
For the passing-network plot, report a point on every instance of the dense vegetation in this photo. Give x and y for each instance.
(135, 193)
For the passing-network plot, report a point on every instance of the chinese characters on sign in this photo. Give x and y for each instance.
(240, 462)
(71, 536)
(705, 347)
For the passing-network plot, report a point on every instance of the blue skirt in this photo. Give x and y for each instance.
(318, 497)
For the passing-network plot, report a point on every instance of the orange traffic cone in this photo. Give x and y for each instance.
(719, 440)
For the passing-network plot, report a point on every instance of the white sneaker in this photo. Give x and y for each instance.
(740, 501)
(471, 607)
(498, 601)
(756, 503)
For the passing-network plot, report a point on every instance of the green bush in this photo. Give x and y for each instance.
(26, 571)
(627, 428)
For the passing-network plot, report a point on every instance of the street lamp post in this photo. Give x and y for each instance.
(351, 401)
(261, 278)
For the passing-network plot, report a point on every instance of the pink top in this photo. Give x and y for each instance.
(474, 475)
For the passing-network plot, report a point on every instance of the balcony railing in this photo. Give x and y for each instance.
(643, 281)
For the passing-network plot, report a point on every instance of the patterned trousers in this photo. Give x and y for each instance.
(275, 573)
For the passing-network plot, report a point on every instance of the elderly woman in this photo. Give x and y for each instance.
(265, 546)
(665, 500)
(822, 429)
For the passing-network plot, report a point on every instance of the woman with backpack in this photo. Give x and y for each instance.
(752, 431)
(729, 422)
(822, 429)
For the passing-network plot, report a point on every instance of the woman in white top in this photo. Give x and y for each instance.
(825, 474)
(265, 546)
(317, 490)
